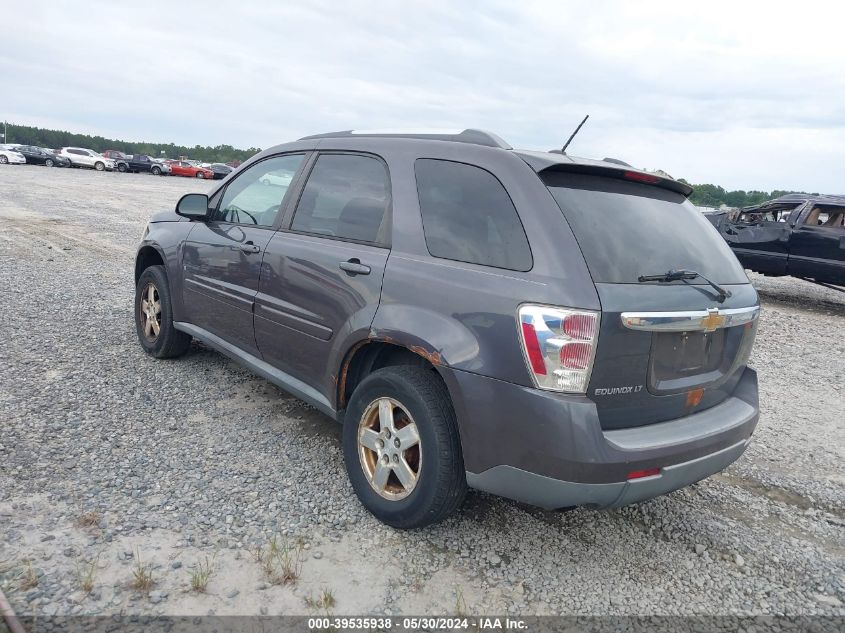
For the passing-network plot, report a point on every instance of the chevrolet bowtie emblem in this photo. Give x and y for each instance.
(713, 320)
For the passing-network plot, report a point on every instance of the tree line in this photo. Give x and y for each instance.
(715, 196)
(41, 137)
(705, 195)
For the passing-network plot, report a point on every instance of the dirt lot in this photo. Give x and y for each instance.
(115, 467)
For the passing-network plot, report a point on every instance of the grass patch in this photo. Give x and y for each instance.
(142, 575)
(86, 573)
(280, 560)
(28, 578)
(460, 604)
(201, 574)
(88, 519)
(324, 602)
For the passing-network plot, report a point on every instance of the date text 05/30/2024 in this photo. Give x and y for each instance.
(416, 624)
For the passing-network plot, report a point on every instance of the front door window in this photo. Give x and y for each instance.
(257, 195)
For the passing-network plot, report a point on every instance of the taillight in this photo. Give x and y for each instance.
(559, 346)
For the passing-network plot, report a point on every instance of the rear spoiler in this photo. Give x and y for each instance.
(545, 162)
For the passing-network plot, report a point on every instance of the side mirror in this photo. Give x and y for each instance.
(193, 206)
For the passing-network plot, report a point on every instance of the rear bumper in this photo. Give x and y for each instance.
(552, 494)
(549, 450)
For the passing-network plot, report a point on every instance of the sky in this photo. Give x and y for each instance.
(747, 95)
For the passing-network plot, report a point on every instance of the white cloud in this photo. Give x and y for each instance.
(745, 95)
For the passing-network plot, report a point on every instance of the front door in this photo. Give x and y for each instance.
(759, 238)
(222, 257)
(817, 247)
(322, 275)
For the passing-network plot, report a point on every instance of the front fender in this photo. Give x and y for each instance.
(166, 239)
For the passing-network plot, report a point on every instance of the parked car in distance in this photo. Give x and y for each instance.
(277, 179)
(82, 157)
(560, 331)
(39, 156)
(798, 234)
(58, 161)
(121, 162)
(137, 163)
(11, 157)
(219, 169)
(185, 168)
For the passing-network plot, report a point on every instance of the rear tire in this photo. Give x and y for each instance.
(4, 160)
(414, 396)
(154, 316)
(99, 166)
(48, 163)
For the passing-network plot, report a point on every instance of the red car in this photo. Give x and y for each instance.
(184, 168)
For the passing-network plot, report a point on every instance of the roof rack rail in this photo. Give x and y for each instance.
(476, 137)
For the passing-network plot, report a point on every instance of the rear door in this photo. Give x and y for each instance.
(80, 157)
(664, 350)
(817, 245)
(322, 273)
(759, 238)
(222, 257)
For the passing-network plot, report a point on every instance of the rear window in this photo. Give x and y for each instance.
(468, 216)
(628, 229)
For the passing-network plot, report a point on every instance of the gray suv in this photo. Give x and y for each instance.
(555, 330)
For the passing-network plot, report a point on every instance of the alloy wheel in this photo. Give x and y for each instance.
(150, 312)
(389, 448)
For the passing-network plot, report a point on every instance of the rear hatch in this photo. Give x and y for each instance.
(665, 349)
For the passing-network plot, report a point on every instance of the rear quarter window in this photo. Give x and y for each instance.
(468, 216)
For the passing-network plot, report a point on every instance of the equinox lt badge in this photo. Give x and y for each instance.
(613, 391)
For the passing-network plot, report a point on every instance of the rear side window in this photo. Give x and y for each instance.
(346, 196)
(468, 216)
(627, 229)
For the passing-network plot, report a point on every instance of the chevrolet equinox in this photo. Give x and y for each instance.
(559, 331)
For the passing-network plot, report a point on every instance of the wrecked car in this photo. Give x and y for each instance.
(799, 235)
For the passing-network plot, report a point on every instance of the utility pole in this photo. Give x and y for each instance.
(5, 139)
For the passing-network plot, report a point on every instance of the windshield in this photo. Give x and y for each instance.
(628, 229)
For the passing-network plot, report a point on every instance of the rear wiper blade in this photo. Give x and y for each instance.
(677, 275)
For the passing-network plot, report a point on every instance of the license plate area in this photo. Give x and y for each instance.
(687, 360)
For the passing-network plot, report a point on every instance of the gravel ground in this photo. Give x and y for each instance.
(113, 465)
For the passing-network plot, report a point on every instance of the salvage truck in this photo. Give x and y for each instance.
(800, 235)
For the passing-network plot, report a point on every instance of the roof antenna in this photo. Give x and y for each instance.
(565, 145)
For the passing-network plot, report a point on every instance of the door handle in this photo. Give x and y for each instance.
(249, 247)
(355, 267)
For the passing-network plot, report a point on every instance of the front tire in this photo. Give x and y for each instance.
(199, 175)
(156, 171)
(99, 166)
(4, 160)
(402, 448)
(154, 316)
(121, 168)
